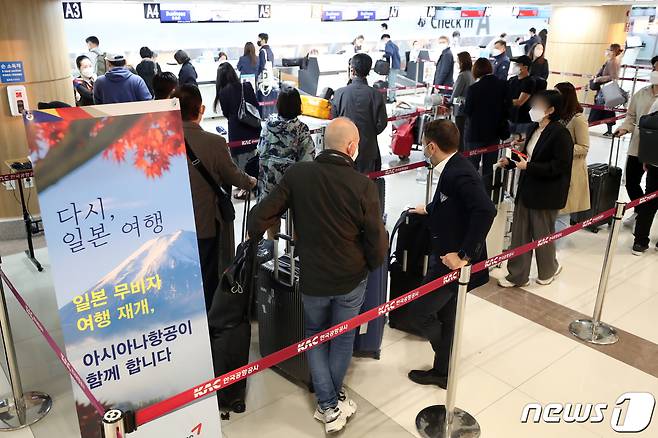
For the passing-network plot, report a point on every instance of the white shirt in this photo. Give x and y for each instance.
(438, 169)
(532, 142)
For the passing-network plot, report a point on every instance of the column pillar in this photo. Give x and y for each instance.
(578, 37)
(31, 31)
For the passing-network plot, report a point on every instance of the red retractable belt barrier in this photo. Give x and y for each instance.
(610, 120)
(16, 175)
(603, 107)
(53, 345)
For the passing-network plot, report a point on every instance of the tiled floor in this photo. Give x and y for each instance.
(509, 359)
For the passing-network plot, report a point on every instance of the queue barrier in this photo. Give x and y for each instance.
(116, 422)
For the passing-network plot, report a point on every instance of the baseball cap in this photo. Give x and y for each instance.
(115, 58)
(523, 60)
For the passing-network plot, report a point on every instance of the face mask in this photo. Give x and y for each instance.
(442, 46)
(537, 114)
(355, 155)
(496, 52)
(87, 72)
(515, 70)
(653, 78)
(258, 43)
(427, 155)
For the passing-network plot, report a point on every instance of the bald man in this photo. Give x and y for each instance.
(341, 237)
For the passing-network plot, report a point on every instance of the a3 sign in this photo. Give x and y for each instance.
(72, 10)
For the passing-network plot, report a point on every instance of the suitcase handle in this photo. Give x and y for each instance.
(290, 247)
(612, 147)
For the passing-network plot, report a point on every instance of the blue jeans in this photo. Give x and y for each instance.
(392, 79)
(329, 361)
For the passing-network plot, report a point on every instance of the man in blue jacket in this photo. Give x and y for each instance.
(444, 66)
(119, 85)
(501, 60)
(393, 56)
(532, 40)
(459, 219)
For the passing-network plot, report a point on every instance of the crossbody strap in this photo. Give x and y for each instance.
(199, 166)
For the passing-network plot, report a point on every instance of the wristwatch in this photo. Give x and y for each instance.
(462, 255)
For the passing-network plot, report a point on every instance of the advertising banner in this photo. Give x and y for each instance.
(115, 200)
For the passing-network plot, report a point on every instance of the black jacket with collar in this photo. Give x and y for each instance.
(486, 110)
(544, 185)
(460, 216)
(338, 222)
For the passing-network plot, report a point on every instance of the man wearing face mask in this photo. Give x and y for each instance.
(84, 85)
(460, 216)
(639, 106)
(501, 60)
(366, 107)
(445, 65)
(340, 237)
(521, 87)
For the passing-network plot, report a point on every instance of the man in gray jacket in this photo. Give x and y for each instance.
(366, 107)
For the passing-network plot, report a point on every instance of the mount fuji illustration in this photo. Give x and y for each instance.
(175, 258)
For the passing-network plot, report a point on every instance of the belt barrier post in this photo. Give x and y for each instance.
(447, 421)
(114, 424)
(19, 409)
(634, 83)
(321, 138)
(593, 330)
(428, 188)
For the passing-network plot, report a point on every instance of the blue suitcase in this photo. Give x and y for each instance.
(368, 340)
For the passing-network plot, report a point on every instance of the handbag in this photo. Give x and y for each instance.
(382, 67)
(593, 85)
(248, 113)
(613, 94)
(226, 209)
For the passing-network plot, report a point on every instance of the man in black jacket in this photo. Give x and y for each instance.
(340, 237)
(445, 66)
(460, 216)
(366, 107)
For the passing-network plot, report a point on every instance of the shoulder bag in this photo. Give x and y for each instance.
(226, 209)
(247, 113)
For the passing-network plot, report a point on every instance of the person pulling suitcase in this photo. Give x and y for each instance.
(340, 237)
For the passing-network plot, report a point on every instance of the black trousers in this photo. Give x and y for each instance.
(647, 213)
(434, 316)
(634, 173)
(209, 258)
(367, 166)
(460, 121)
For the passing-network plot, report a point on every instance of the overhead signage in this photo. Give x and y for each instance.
(72, 10)
(152, 11)
(210, 13)
(114, 195)
(375, 13)
(11, 72)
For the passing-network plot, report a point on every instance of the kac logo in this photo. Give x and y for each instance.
(639, 411)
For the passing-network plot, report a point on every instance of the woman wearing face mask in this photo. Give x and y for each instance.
(608, 72)
(285, 140)
(84, 85)
(545, 163)
(641, 104)
(539, 67)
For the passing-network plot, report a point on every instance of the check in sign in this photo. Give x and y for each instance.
(11, 72)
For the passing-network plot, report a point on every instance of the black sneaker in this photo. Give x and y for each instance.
(639, 250)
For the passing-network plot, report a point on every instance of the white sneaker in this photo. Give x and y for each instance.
(504, 282)
(550, 279)
(333, 418)
(346, 404)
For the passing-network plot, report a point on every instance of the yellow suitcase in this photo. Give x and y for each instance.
(316, 107)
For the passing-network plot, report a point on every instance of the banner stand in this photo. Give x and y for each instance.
(447, 421)
(18, 409)
(594, 330)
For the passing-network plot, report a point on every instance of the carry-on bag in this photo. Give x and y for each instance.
(408, 264)
(604, 185)
(403, 139)
(229, 322)
(648, 148)
(316, 107)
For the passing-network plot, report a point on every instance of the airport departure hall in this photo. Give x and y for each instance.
(328, 219)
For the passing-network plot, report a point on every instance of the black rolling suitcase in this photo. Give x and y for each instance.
(229, 322)
(409, 264)
(604, 185)
(647, 151)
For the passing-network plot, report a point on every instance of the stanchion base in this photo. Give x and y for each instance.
(600, 334)
(37, 406)
(430, 423)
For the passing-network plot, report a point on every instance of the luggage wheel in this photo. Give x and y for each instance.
(403, 157)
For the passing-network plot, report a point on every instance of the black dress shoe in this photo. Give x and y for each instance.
(429, 377)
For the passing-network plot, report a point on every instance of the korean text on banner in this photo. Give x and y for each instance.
(115, 199)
